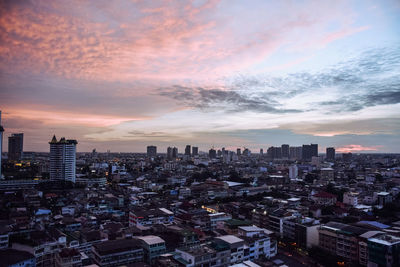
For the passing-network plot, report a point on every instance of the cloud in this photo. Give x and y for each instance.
(356, 148)
(231, 101)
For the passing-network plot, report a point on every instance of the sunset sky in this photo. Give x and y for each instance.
(122, 75)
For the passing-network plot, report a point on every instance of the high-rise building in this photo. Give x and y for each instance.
(195, 151)
(330, 153)
(169, 153)
(187, 150)
(238, 151)
(151, 151)
(306, 152)
(285, 151)
(15, 146)
(274, 152)
(62, 159)
(1, 142)
(293, 171)
(261, 151)
(212, 154)
(314, 150)
(174, 152)
(295, 152)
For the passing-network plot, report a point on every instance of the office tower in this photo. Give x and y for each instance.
(195, 151)
(246, 152)
(306, 152)
(151, 151)
(62, 159)
(15, 146)
(187, 150)
(174, 152)
(238, 151)
(285, 151)
(314, 150)
(169, 153)
(261, 151)
(1, 142)
(212, 154)
(330, 153)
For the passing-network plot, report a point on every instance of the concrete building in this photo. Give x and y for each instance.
(153, 247)
(384, 250)
(285, 151)
(16, 258)
(117, 252)
(384, 198)
(68, 257)
(63, 159)
(187, 150)
(15, 146)
(236, 246)
(150, 217)
(258, 242)
(215, 254)
(351, 198)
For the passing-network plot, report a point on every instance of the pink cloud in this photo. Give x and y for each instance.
(356, 148)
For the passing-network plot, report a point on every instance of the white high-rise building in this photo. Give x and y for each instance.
(1, 142)
(62, 159)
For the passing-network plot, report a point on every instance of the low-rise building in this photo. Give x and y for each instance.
(117, 252)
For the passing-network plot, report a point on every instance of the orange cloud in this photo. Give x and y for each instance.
(68, 118)
(356, 148)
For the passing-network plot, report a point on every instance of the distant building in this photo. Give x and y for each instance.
(285, 151)
(1, 141)
(306, 152)
(169, 153)
(63, 159)
(212, 154)
(195, 151)
(174, 152)
(347, 157)
(295, 153)
(330, 153)
(151, 151)
(238, 151)
(314, 150)
(293, 172)
(187, 150)
(15, 146)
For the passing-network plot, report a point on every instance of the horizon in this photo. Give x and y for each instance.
(122, 75)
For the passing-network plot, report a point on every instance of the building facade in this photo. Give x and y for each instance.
(63, 159)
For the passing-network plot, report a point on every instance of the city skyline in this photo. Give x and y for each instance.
(125, 75)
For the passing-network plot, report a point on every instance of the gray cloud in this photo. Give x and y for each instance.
(229, 100)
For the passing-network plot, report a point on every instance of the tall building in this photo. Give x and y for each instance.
(15, 146)
(169, 153)
(151, 151)
(187, 150)
(195, 151)
(62, 159)
(1, 142)
(330, 153)
(306, 152)
(238, 151)
(212, 153)
(314, 150)
(261, 151)
(174, 152)
(285, 151)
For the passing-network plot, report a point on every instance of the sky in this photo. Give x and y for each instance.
(121, 75)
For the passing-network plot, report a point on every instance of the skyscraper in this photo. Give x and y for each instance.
(212, 153)
(285, 151)
(314, 150)
(15, 146)
(174, 152)
(306, 152)
(195, 151)
(330, 153)
(169, 153)
(1, 141)
(187, 150)
(151, 151)
(62, 159)
(238, 151)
